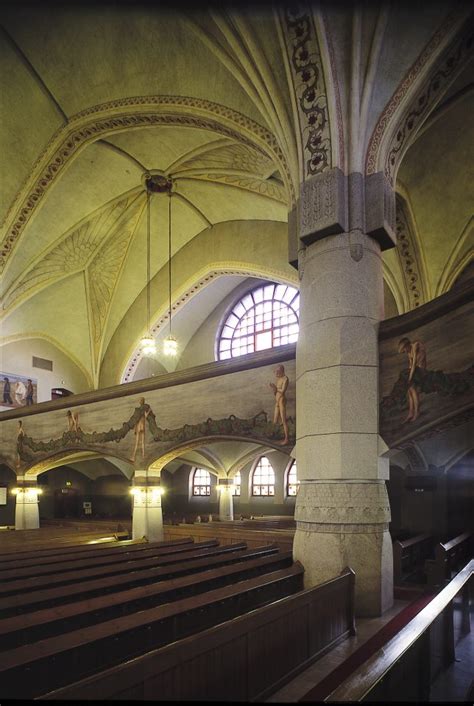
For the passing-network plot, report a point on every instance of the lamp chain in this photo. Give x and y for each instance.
(148, 264)
(169, 256)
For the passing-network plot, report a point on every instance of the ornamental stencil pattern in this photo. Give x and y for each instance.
(264, 187)
(208, 116)
(374, 158)
(233, 157)
(72, 254)
(309, 86)
(407, 253)
(104, 270)
(427, 97)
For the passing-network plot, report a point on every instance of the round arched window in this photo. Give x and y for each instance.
(266, 317)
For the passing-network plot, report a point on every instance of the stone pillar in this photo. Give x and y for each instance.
(342, 509)
(147, 518)
(226, 499)
(26, 508)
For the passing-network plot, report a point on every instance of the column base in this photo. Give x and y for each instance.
(325, 552)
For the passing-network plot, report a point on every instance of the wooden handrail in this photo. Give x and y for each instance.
(359, 684)
(413, 540)
(457, 540)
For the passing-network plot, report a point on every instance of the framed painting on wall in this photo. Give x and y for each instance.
(17, 390)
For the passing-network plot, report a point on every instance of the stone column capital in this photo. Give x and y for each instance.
(332, 202)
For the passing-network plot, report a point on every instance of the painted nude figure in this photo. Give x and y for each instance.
(416, 353)
(73, 421)
(139, 430)
(279, 390)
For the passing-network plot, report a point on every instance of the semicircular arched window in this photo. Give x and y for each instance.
(266, 317)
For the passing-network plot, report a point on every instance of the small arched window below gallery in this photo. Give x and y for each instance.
(292, 482)
(263, 478)
(237, 484)
(201, 482)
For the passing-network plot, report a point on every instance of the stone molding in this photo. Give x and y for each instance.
(343, 503)
(323, 209)
(332, 203)
(327, 528)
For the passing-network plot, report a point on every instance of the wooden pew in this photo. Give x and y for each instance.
(30, 627)
(121, 549)
(243, 660)
(31, 670)
(449, 558)
(12, 542)
(71, 564)
(49, 597)
(63, 578)
(409, 556)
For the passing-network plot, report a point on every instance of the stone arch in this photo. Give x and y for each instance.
(192, 287)
(57, 459)
(417, 95)
(157, 465)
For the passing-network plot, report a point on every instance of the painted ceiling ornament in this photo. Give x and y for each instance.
(409, 256)
(305, 62)
(101, 120)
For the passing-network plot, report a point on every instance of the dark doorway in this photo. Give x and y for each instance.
(66, 503)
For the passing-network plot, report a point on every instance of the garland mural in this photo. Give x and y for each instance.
(427, 372)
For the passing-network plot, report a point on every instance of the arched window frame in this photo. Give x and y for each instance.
(266, 473)
(292, 483)
(275, 319)
(236, 488)
(202, 489)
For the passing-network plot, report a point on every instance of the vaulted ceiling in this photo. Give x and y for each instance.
(95, 96)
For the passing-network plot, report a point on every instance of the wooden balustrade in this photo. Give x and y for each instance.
(405, 667)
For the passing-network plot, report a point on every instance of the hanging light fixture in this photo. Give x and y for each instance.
(170, 346)
(147, 344)
(158, 183)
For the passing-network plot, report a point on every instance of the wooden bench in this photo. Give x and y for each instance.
(41, 624)
(68, 577)
(22, 602)
(242, 660)
(71, 564)
(12, 542)
(50, 556)
(31, 670)
(409, 556)
(449, 558)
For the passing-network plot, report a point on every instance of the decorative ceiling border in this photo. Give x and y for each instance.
(372, 163)
(97, 121)
(427, 97)
(309, 86)
(408, 256)
(188, 293)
